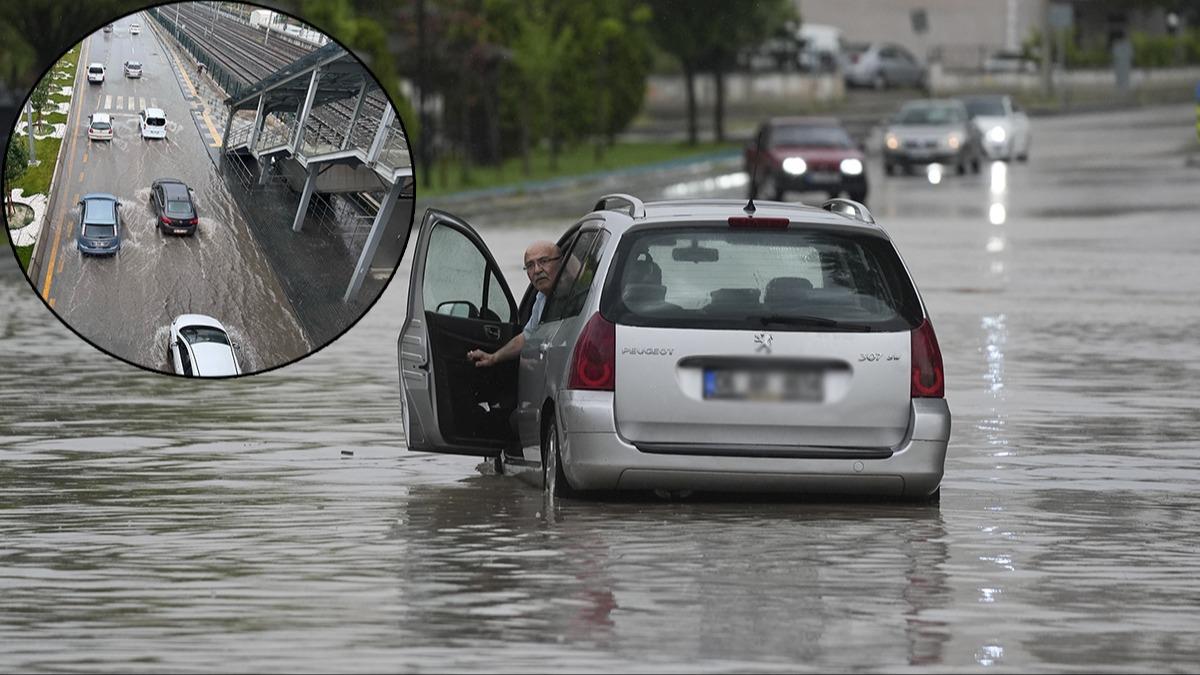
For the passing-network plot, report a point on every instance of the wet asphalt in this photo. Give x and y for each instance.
(277, 522)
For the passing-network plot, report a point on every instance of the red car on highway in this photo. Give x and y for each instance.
(805, 154)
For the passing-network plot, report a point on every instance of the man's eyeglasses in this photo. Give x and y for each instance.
(541, 262)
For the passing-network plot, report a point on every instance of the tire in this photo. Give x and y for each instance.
(975, 164)
(879, 82)
(961, 168)
(554, 481)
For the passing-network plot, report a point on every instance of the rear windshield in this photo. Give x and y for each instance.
(134, 64)
(101, 126)
(178, 208)
(95, 69)
(198, 334)
(719, 278)
(929, 114)
(986, 107)
(810, 136)
(155, 121)
(99, 231)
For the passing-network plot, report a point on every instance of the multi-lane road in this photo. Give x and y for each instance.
(125, 304)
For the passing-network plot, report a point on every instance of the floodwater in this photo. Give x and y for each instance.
(277, 523)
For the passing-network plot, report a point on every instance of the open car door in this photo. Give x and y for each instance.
(457, 301)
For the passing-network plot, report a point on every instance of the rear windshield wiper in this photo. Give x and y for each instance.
(807, 320)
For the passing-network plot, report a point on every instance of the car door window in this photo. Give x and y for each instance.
(571, 291)
(458, 279)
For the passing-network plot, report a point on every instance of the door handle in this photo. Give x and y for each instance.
(543, 348)
(492, 332)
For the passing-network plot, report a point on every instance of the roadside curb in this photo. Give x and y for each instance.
(551, 184)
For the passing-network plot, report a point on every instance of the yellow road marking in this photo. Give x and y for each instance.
(183, 72)
(80, 176)
(212, 130)
(58, 225)
(85, 158)
(51, 303)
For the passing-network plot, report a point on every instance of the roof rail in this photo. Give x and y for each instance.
(849, 208)
(636, 208)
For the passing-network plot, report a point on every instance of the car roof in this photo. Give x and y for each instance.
(155, 112)
(134, 62)
(185, 320)
(101, 117)
(685, 212)
(174, 188)
(95, 64)
(100, 208)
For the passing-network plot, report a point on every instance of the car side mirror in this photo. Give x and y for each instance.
(459, 308)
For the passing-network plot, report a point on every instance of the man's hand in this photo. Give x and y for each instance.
(481, 358)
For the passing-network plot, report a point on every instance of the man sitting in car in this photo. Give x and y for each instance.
(541, 265)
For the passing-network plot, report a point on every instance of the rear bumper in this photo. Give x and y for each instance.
(596, 457)
(90, 249)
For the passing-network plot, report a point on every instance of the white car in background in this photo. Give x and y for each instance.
(135, 28)
(100, 127)
(200, 347)
(153, 123)
(95, 72)
(1003, 124)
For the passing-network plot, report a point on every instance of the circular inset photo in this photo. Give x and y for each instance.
(208, 189)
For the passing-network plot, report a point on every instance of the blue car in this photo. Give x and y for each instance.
(99, 224)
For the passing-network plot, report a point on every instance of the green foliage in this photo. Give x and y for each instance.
(16, 160)
(37, 178)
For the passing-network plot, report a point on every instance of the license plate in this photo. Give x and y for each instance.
(823, 177)
(180, 231)
(764, 385)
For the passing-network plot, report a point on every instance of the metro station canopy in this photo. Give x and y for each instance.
(341, 77)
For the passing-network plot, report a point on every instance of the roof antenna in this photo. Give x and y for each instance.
(750, 208)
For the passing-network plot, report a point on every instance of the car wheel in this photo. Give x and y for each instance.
(961, 168)
(554, 481)
(1023, 157)
(975, 164)
(879, 82)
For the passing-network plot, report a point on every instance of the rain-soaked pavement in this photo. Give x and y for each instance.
(277, 522)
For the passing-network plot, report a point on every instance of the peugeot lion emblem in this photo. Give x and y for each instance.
(763, 340)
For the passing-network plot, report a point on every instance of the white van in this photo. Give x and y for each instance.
(821, 47)
(96, 72)
(153, 122)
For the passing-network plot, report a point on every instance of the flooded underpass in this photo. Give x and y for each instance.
(277, 522)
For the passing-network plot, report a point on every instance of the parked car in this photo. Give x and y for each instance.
(108, 28)
(932, 131)
(153, 123)
(1003, 125)
(99, 224)
(805, 154)
(200, 347)
(684, 345)
(173, 206)
(882, 65)
(133, 69)
(135, 28)
(100, 127)
(95, 72)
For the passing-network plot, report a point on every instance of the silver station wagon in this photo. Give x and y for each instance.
(711, 345)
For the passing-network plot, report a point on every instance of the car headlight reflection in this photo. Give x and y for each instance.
(892, 142)
(953, 140)
(997, 134)
(851, 166)
(795, 165)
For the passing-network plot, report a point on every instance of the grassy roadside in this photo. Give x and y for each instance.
(449, 176)
(37, 179)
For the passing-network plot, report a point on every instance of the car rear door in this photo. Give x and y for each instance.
(457, 301)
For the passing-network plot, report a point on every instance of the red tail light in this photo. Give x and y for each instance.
(594, 363)
(193, 221)
(928, 377)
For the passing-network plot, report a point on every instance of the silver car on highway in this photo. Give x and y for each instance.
(710, 345)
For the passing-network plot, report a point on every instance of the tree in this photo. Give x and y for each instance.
(680, 28)
(39, 98)
(16, 162)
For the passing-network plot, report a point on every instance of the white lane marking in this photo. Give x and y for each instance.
(119, 103)
(142, 101)
(108, 102)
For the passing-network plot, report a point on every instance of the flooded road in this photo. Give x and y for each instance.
(276, 522)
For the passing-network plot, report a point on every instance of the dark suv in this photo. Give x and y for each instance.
(805, 154)
(173, 206)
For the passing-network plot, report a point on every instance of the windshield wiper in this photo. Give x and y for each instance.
(808, 320)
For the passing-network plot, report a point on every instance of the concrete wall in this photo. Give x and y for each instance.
(743, 89)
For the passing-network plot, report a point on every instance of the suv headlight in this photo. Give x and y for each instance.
(892, 142)
(851, 166)
(953, 140)
(795, 165)
(997, 134)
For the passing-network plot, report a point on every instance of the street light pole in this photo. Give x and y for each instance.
(29, 131)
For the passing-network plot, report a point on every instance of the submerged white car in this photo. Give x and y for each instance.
(685, 345)
(200, 347)
(153, 123)
(1003, 124)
